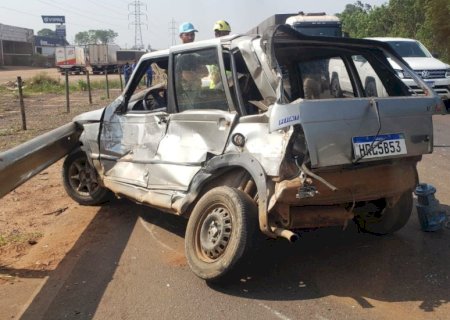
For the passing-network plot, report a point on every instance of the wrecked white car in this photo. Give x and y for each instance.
(240, 137)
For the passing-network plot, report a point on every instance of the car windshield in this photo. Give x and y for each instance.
(313, 30)
(409, 49)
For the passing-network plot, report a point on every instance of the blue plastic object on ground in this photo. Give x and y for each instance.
(431, 216)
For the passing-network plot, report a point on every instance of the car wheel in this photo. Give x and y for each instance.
(219, 232)
(81, 181)
(371, 89)
(377, 218)
(335, 88)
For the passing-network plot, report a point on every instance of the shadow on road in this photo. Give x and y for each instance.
(406, 267)
(409, 266)
(75, 288)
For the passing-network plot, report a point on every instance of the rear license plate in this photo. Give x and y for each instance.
(383, 145)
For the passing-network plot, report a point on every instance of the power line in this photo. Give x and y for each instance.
(172, 30)
(116, 10)
(136, 13)
(84, 15)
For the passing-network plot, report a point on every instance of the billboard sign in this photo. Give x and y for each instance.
(60, 30)
(54, 19)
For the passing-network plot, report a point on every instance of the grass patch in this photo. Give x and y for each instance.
(42, 82)
(101, 84)
(17, 237)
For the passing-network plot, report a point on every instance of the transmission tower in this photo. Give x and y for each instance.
(172, 30)
(136, 7)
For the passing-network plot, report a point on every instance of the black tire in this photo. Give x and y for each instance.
(371, 89)
(219, 232)
(385, 220)
(81, 180)
(335, 88)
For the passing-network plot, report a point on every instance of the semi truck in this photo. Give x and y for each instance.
(130, 56)
(71, 59)
(103, 58)
(312, 24)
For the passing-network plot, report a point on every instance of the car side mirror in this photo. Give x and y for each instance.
(435, 55)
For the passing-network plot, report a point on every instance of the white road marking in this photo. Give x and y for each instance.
(276, 313)
(150, 230)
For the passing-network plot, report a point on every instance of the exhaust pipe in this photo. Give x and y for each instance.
(287, 234)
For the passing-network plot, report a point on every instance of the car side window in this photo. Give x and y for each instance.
(372, 84)
(198, 81)
(149, 87)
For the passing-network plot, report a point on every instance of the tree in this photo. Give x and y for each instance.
(436, 30)
(95, 36)
(424, 20)
(46, 32)
(82, 38)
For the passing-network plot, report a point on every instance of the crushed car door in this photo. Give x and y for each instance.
(201, 127)
(131, 133)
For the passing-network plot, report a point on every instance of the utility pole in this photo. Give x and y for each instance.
(136, 8)
(172, 30)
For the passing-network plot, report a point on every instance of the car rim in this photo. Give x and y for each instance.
(82, 177)
(215, 233)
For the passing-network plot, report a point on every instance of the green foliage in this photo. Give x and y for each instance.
(46, 32)
(95, 36)
(425, 20)
(82, 85)
(101, 84)
(42, 82)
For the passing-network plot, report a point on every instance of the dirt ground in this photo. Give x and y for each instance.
(30, 214)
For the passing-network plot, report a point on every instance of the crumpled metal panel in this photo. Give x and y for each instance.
(267, 148)
(191, 135)
(330, 125)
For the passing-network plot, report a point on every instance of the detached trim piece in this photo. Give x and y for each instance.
(19, 164)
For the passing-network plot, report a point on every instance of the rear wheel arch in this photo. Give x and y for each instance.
(209, 177)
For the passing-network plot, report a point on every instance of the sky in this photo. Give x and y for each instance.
(160, 19)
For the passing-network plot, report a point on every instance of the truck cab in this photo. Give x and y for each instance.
(316, 24)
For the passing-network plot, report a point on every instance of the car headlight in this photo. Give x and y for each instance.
(447, 73)
(400, 74)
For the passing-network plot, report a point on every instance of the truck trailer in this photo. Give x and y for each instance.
(102, 58)
(71, 59)
(130, 56)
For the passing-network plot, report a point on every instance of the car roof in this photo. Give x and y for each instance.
(386, 39)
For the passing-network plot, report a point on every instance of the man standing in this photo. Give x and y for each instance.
(221, 28)
(126, 72)
(187, 32)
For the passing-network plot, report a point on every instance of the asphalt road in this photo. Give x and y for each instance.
(134, 268)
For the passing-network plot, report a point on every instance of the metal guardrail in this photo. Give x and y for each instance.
(21, 163)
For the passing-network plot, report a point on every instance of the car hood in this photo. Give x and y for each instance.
(91, 116)
(423, 64)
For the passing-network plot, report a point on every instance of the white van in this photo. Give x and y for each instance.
(433, 71)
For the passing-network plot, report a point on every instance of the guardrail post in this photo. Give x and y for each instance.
(22, 104)
(107, 83)
(67, 91)
(89, 86)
